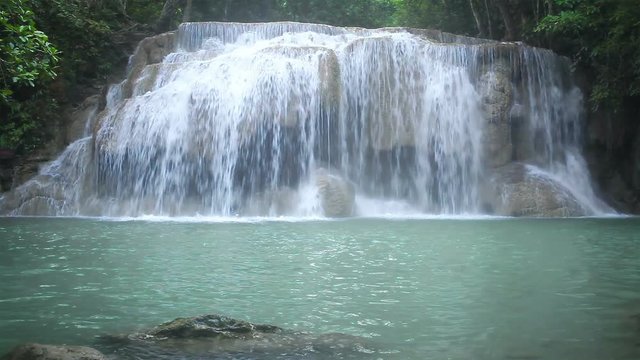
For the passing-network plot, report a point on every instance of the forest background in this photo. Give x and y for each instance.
(53, 53)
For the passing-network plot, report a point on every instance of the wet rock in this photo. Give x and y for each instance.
(208, 326)
(217, 336)
(40, 196)
(337, 195)
(78, 119)
(329, 70)
(517, 191)
(53, 352)
(151, 50)
(496, 96)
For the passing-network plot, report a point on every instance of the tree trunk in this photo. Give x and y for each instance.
(188, 8)
(226, 10)
(265, 10)
(489, 23)
(476, 17)
(167, 16)
(509, 25)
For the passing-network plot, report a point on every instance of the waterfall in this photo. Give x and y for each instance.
(269, 119)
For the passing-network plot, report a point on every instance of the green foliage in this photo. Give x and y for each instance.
(604, 37)
(142, 11)
(81, 32)
(28, 121)
(85, 33)
(451, 16)
(26, 55)
(27, 61)
(363, 13)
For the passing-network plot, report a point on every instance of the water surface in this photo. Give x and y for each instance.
(413, 288)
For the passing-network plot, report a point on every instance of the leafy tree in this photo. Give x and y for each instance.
(448, 15)
(88, 37)
(602, 36)
(27, 61)
(363, 13)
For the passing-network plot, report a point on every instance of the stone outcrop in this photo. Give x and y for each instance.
(206, 336)
(38, 197)
(337, 195)
(207, 326)
(53, 352)
(151, 50)
(217, 336)
(497, 97)
(82, 118)
(329, 70)
(516, 190)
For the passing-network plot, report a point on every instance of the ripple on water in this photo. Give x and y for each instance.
(418, 288)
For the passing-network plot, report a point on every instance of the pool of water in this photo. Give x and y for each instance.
(413, 288)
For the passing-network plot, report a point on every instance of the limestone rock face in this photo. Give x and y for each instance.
(82, 115)
(337, 195)
(517, 191)
(329, 70)
(497, 95)
(38, 197)
(53, 352)
(150, 51)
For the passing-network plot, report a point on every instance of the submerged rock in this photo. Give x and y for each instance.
(53, 352)
(217, 336)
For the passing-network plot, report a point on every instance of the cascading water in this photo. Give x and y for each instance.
(293, 119)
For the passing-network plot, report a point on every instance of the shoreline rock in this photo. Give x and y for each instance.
(33, 351)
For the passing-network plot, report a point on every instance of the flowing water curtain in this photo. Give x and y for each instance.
(411, 124)
(239, 125)
(239, 119)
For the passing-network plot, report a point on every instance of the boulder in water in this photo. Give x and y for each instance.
(208, 326)
(337, 195)
(517, 191)
(53, 352)
(210, 336)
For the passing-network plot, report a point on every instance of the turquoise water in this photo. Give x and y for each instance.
(413, 288)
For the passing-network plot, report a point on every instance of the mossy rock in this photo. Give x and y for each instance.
(210, 326)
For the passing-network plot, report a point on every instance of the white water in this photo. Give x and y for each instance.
(238, 118)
